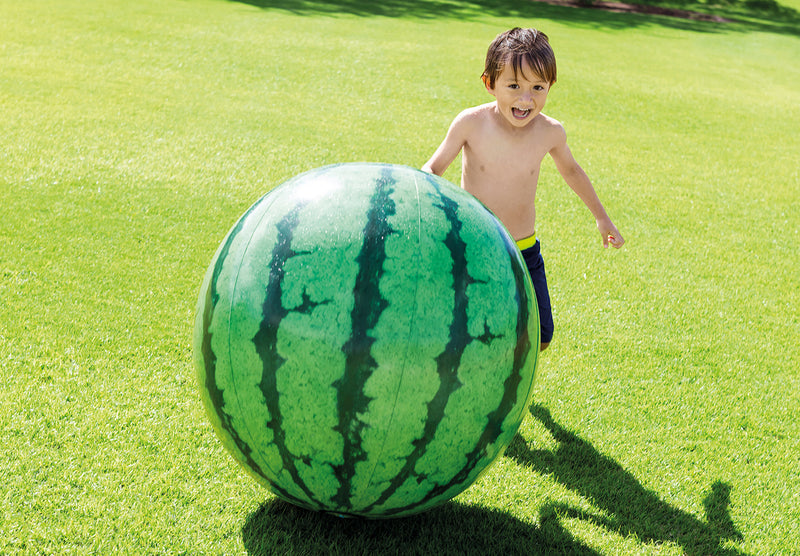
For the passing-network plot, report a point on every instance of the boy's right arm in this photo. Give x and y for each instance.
(449, 149)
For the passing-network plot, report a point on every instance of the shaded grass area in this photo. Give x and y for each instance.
(768, 15)
(450, 529)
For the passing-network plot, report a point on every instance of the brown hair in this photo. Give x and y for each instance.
(515, 46)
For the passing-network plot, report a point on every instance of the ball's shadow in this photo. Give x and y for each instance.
(280, 528)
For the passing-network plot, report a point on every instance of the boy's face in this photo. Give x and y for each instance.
(520, 97)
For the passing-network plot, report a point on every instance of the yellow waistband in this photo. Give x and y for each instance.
(526, 243)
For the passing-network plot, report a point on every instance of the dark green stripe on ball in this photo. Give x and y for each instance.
(214, 393)
(494, 427)
(447, 362)
(367, 309)
(266, 342)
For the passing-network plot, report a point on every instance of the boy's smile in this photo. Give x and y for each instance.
(519, 113)
(521, 96)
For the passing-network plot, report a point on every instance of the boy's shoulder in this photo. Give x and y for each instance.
(486, 108)
(551, 127)
(477, 113)
(545, 121)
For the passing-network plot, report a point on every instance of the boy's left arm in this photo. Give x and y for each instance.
(579, 182)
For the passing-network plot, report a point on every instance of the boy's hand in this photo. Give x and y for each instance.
(610, 234)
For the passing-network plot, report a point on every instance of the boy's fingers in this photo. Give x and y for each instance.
(616, 241)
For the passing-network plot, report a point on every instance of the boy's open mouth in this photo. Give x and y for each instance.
(519, 113)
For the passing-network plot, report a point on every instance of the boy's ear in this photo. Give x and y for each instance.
(485, 79)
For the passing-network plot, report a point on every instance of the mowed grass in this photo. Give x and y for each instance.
(134, 134)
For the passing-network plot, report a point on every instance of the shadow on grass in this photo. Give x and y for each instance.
(763, 15)
(629, 508)
(280, 528)
(626, 508)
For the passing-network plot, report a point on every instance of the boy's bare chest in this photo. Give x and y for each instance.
(495, 152)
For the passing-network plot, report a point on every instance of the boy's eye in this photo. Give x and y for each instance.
(513, 86)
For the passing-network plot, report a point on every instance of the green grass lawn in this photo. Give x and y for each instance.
(134, 134)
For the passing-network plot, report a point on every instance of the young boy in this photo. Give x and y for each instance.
(503, 145)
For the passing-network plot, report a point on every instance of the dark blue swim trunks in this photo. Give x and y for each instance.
(535, 264)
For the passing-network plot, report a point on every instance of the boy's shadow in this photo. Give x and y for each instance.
(629, 508)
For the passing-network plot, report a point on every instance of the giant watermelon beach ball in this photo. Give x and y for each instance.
(366, 340)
